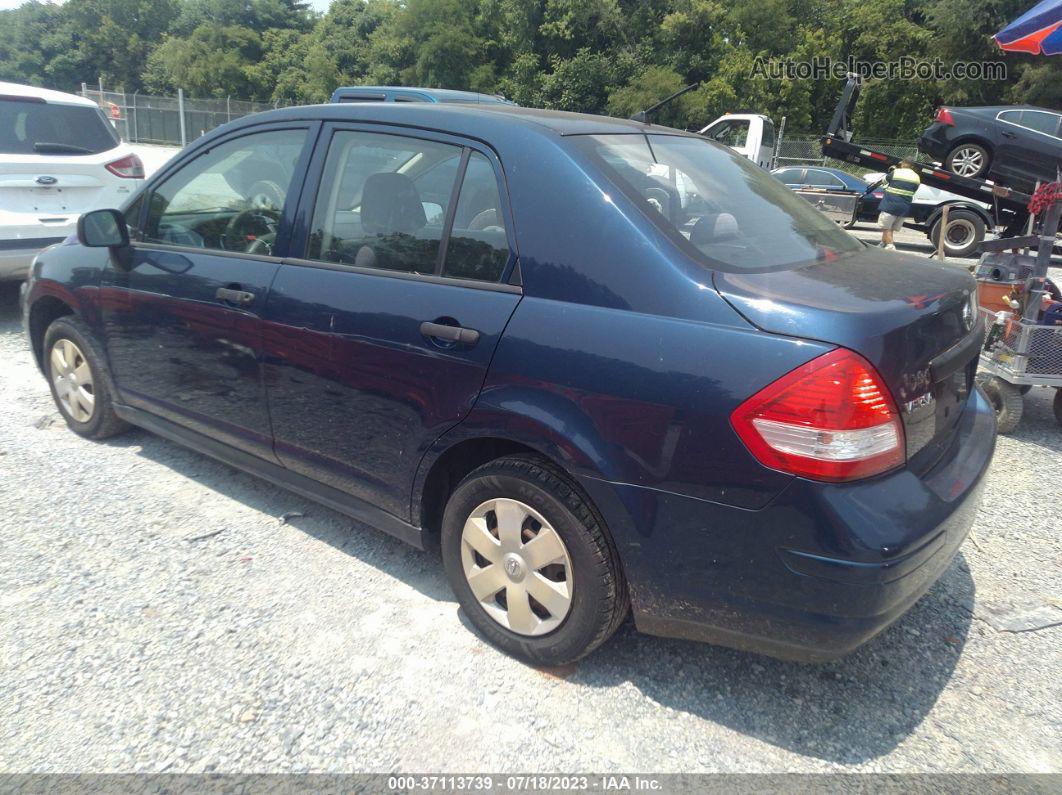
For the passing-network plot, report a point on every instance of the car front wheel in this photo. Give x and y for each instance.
(968, 160)
(531, 562)
(80, 382)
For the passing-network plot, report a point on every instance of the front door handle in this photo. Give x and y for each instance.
(229, 295)
(439, 331)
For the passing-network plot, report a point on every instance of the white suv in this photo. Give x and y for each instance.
(59, 157)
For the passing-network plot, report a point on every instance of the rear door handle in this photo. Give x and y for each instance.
(439, 331)
(1008, 134)
(234, 296)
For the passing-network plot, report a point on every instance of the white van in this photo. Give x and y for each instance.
(751, 135)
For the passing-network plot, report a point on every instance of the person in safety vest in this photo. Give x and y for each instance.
(900, 186)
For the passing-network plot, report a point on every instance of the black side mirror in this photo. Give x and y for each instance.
(102, 228)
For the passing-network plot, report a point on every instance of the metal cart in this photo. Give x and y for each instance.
(1020, 352)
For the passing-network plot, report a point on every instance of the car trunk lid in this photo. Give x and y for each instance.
(911, 319)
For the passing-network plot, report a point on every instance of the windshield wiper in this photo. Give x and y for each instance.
(47, 146)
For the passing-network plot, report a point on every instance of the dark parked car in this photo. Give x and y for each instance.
(413, 94)
(1016, 145)
(812, 181)
(501, 331)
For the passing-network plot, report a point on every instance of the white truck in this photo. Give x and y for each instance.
(751, 135)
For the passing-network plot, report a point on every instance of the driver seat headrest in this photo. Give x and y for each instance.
(390, 204)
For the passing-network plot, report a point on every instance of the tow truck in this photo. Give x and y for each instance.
(1008, 206)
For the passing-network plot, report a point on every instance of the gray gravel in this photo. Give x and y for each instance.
(158, 614)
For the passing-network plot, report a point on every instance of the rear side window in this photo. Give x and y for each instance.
(823, 179)
(478, 247)
(40, 128)
(723, 210)
(370, 211)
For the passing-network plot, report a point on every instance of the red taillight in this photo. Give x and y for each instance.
(944, 117)
(830, 419)
(878, 194)
(128, 167)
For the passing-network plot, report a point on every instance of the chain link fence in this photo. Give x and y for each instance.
(173, 121)
(798, 150)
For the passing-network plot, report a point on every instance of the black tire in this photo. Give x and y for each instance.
(963, 158)
(966, 231)
(599, 599)
(103, 422)
(1005, 399)
(1058, 406)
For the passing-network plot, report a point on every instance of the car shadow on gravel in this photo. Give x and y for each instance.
(419, 570)
(10, 314)
(848, 711)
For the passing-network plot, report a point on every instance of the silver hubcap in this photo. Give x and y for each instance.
(73, 380)
(517, 566)
(959, 234)
(967, 162)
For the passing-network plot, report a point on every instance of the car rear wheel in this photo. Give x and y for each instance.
(1005, 398)
(965, 232)
(968, 160)
(79, 379)
(531, 562)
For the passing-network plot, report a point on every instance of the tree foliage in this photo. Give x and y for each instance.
(598, 56)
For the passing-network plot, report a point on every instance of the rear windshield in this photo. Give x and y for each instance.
(38, 128)
(724, 210)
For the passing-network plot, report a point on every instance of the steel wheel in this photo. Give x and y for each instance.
(517, 567)
(72, 379)
(968, 160)
(959, 234)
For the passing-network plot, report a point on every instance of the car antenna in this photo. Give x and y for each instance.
(645, 115)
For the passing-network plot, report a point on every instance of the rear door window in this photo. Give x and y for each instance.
(370, 211)
(789, 176)
(1040, 121)
(41, 128)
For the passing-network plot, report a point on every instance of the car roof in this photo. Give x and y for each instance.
(46, 94)
(442, 94)
(472, 120)
(998, 108)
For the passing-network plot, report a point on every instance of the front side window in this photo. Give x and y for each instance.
(725, 211)
(231, 198)
(42, 128)
(768, 134)
(383, 201)
(730, 132)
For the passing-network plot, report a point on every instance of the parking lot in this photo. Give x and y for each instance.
(162, 612)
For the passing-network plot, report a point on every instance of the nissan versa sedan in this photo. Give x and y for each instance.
(506, 333)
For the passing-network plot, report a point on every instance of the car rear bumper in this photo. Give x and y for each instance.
(16, 256)
(815, 574)
(934, 142)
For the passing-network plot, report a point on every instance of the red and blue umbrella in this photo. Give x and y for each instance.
(1038, 30)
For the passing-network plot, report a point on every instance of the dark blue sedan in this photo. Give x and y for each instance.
(809, 181)
(602, 365)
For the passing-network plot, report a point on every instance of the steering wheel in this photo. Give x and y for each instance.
(251, 231)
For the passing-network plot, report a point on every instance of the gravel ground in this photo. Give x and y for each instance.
(157, 614)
